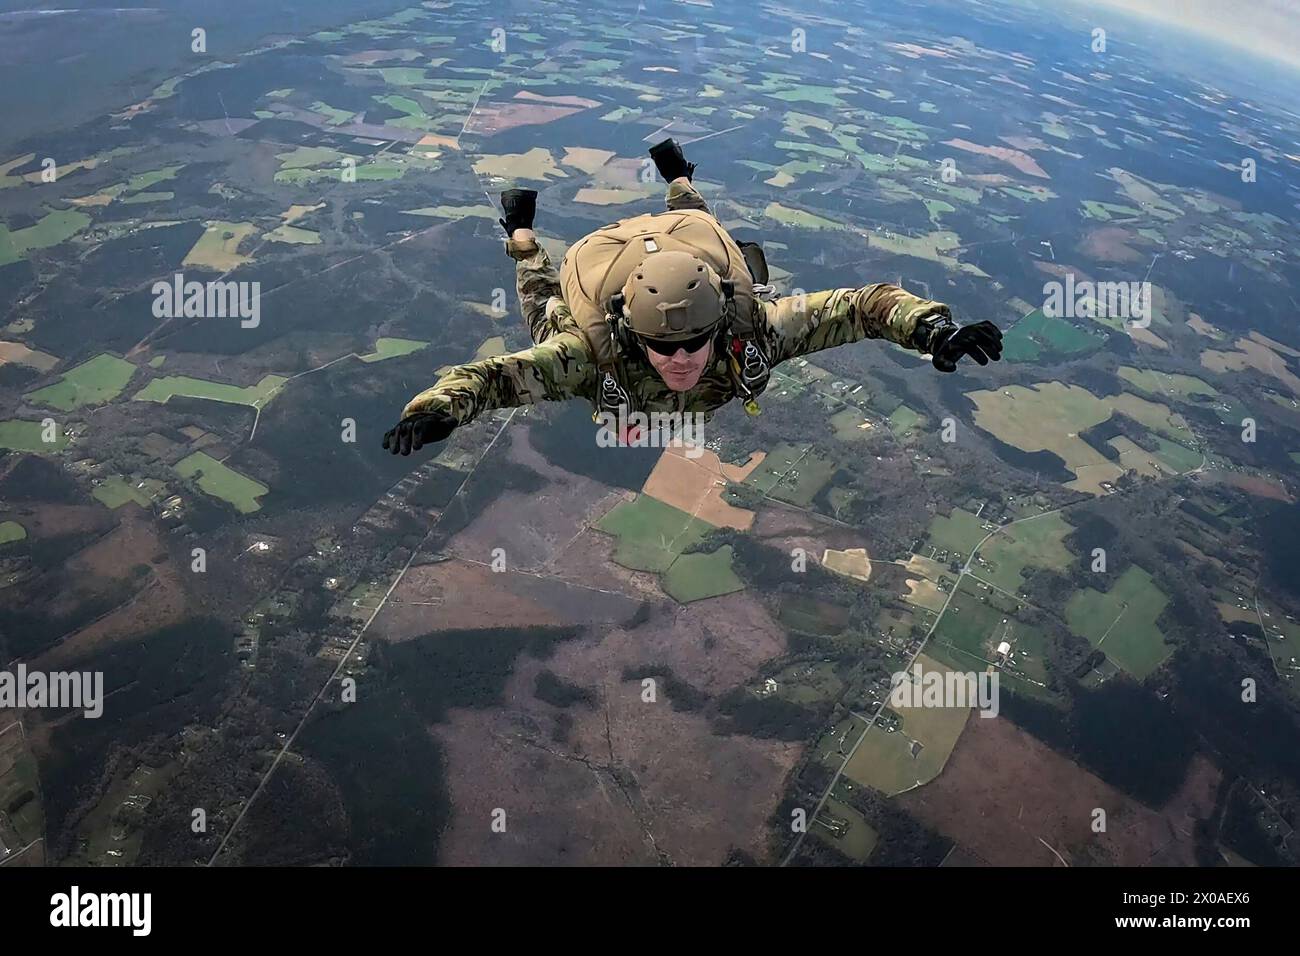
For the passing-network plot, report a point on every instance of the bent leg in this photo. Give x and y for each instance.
(683, 195)
(537, 283)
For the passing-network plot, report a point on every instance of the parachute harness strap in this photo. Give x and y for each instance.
(748, 365)
(611, 396)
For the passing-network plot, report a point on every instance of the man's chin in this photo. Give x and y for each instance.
(684, 384)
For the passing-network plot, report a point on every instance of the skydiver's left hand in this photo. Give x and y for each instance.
(415, 431)
(981, 341)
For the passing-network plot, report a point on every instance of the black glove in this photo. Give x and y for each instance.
(671, 161)
(981, 341)
(520, 206)
(415, 431)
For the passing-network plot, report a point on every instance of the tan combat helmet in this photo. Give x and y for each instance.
(672, 295)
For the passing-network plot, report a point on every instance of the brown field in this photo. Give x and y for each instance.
(695, 485)
(1006, 797)
(1021, 161)
(454, 595)
(12, 743)
(852, 563)
(783, 526)
(628, 782)
(492, 118)
(1061, 270)
(367, 57)
(1258, 486)
(1110, 244)
(1201, 327)
(535, 528)
(160, 601)
(590, 560)
(20, 354)
(50, 521)
(634, 782)
(585, 158)
(1147, 337)
(1275, 345)
(435, 139)
(34, 855)
(1253, 353)
(577, 101)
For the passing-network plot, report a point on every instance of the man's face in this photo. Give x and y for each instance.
(681, 370)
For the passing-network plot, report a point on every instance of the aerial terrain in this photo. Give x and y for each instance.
(521, 648)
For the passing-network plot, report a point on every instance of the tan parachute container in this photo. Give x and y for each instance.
(597, 266)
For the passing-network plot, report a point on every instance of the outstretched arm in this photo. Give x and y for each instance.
(556, 370)
(802, 324)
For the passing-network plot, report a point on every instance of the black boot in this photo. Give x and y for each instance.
(520, 206)
(670, 161)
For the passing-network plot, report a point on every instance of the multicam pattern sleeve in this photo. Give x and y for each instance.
(556, 370)
(798, 325)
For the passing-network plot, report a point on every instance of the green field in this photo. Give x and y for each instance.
(846, 424)
(293, 235)
(1039, 543)
(805, 683)
(975, 623)
(147, 197)
(117, 491)
(91, 383)
(481, 211)
(812, 616)
(1105, 211)
(1026, 668)
(1050, 416)
(693, 577)
(889, 762)
(221, 481)
(11, 531)
(1038, 334)
(21, 778)
(1176, 456)
(788, 474)
(1283, 638)
(392, 348)
(799, 217)
(1122, 621)
(848, 831)
(1167, 383)
(902, 420)
(26, 436)
(162, 389)
(650, 533)
(50, 230)
(958, 533)
(333, 115)
(142, 181)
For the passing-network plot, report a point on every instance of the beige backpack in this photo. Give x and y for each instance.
(597, 266)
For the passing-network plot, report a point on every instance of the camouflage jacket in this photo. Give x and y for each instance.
(559, 366)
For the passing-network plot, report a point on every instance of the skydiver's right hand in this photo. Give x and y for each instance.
(415, 431)
(520, 207)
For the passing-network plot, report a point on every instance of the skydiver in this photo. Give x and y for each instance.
(674, 335)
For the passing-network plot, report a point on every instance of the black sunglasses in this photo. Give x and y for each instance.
(660, 347)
